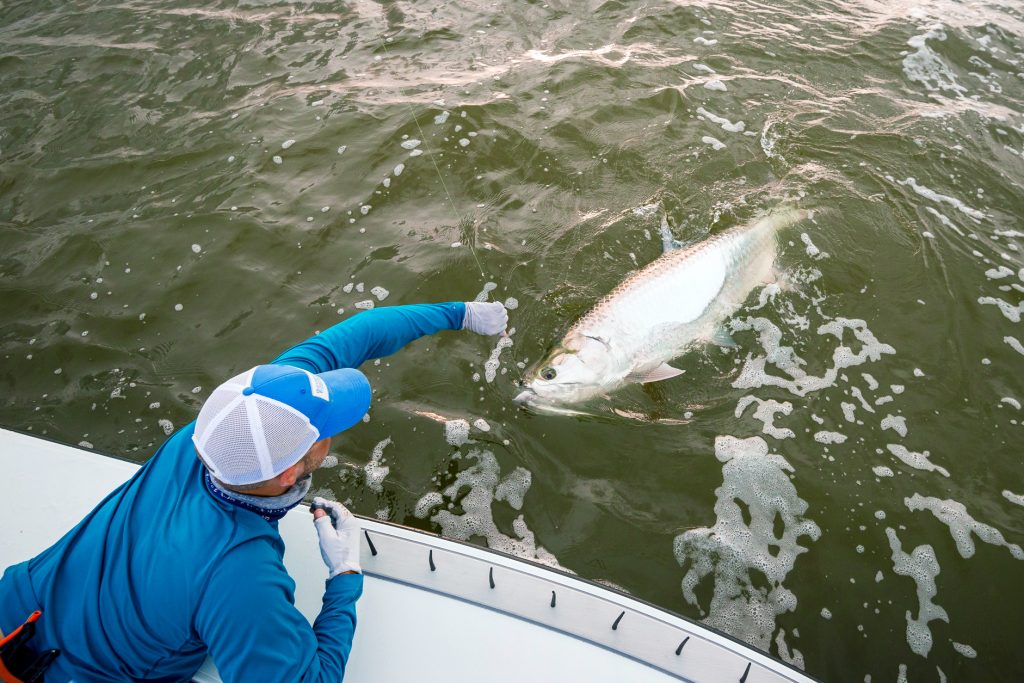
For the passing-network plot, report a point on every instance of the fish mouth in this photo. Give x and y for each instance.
(526, 396)
(534, 402)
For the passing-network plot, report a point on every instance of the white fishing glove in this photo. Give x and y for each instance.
(339, 537)
(485, 317)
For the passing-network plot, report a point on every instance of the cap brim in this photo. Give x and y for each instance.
(350, 400)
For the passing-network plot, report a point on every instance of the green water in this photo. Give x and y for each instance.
(151, 247)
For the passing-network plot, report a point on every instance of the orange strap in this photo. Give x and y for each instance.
(14, 634)
(5, 675)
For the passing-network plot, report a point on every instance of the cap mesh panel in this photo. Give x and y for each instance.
(288, 434)
(227, 443)
(217, 402)
(230, 448)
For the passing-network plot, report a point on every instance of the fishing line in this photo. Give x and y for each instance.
(444, 186)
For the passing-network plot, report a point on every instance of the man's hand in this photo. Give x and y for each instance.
(485, 317)
(338, 530)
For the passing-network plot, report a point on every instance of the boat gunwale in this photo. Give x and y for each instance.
(508, 561)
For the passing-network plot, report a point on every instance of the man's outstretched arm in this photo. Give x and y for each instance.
(383, 331)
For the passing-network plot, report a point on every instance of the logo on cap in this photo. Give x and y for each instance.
(318, 387)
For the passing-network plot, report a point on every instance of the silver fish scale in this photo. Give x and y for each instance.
(662, 267)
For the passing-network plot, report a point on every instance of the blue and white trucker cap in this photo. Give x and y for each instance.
(261, 422)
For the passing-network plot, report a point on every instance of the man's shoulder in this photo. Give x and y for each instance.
(246, 573)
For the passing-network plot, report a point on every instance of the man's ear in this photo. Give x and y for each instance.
(290, 475)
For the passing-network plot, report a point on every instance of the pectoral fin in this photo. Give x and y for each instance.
(723, 338)
(668, 242)
(663, 371)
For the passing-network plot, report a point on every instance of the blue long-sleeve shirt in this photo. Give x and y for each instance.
(162, 572)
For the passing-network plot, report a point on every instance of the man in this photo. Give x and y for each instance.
(184, 559)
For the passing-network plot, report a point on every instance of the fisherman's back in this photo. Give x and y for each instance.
(120, 592)
(170, 567)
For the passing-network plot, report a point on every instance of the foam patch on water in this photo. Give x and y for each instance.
(770, 137)
(828, 438)
(725, 123)
(897, 423)
(765, 412)
(1014, 344)
(485, 293)
(1015, 498)
(715, 143)
(812, 250)
(965, 650)
(922, 566)
(919, 461)
(882, 471)
(859, 395)
(754, 373)
(427, 503)
(999, 273)
(512, 489)
(477, 519)
(961, 525)
(375, 470)
(747, 563)
(380, 293)
(794, 658)
(926, 67)
(931, 194)
(493, 361)
(945, 221)
(456, 432)
(1009, 311)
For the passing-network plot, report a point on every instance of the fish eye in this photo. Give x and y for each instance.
(548, 373)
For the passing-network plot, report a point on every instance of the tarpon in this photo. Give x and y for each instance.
(673, 304)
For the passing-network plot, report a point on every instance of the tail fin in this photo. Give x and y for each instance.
(782, 217)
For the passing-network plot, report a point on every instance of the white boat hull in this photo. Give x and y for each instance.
(414, 622)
